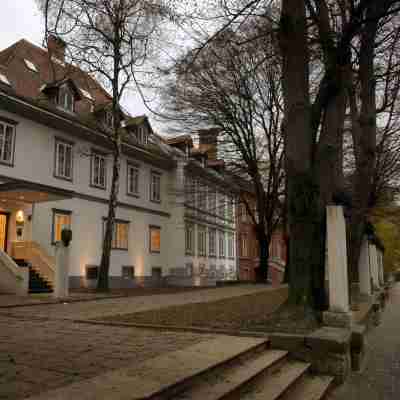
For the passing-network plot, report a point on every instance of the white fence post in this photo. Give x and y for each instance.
(339, 307)
(61, 281)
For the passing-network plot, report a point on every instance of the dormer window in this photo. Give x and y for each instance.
(142, 134)
(109, 118)
(66, 98)
(4, 79)
(30, 65)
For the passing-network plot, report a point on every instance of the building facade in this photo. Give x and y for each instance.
(56, 170)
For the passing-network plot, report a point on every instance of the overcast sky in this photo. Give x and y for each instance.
(21, 19)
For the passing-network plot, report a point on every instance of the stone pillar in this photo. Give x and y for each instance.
(364, 272)
(339, 314)
(373, 259)
(61, 279)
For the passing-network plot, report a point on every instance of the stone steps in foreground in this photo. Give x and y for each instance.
(232, 381)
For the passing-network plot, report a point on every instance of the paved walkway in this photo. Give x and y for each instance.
(381, 378)
(42, 348)
(127, 305)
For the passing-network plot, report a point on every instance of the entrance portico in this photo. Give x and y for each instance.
(18, 246)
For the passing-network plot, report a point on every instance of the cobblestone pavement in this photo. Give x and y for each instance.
(127, 305)
(381, 378)
(37, 355)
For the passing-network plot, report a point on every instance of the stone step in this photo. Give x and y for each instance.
(219, 385)
(274, 386)
(166, 376)
(312, 387)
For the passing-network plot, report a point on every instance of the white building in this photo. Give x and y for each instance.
(55, 172)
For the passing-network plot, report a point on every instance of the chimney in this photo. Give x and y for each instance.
(208, 142)
(56, 47)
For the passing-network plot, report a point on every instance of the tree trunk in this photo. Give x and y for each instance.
(364, 139)
(263, 242)
(103, 281)
(304, 217)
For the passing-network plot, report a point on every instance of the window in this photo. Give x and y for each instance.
(66, 98)
(190, 191)
(120, 234)
(231, 245)
(109, 118)
(230, 208)
(221, 205)
(155, 187)
(189, 238)
(155, 239)
(98, 170)
(212, 242)
(4, 79)
(30, 65)
(201, 241)
(7, 139)
(61, 220)
(63, 160)
(141, 134)
(221, 243)
(133, 179)
(212, 201)
(128, 272)
(202, 196)
(244, 249)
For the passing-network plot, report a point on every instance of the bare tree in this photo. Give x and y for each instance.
(111, 40)
(236, 88)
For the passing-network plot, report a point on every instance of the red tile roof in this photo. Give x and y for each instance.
(27, 83)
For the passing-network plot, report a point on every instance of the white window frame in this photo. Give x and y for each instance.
(5, 144)
(156, 229)
(65, 94)
(155, 187)
(57, 213)
(133, 176)
(231, 245)
(98, 160)
(212, 242)
(221, 244)
(61, 168)
(142, 134)
(189, 238)
(115, 243)
(201, 241)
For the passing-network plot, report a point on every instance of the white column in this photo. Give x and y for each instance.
(61, 280)
(373, 259)
(337, 261)
(364, 272)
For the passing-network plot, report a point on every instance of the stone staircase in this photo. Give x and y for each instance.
(226, 367)
(37, 283)
(256, 374)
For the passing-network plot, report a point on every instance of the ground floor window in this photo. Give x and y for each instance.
(155, 239)
(189, 238)
(120, 234)
(221, 243)
(201, 240)
(212, 242)
(61, 220)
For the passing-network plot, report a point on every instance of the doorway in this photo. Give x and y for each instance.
(3, 230)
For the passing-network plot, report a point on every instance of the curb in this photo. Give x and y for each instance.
(230, 332)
